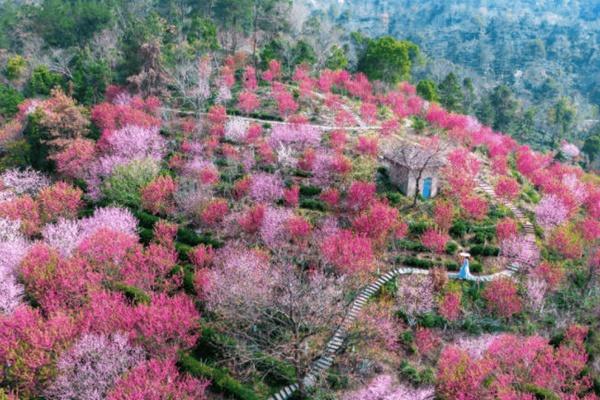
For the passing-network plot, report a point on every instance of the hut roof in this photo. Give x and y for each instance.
(413, 156)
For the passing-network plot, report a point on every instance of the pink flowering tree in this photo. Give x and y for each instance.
(360, 195)
(506, 228)
(502, 297)
(443, 215)
(449, 306)
(266, 187)
(507, 188)
(475, 207)
(348, 252)
(551, 212)
(518, 249)
(156, 380)
(377, 223)
(90, 368)
(385, 387)
(518, 366)
(29, 346)
(248, 102)
(434, 240)
(415, 296)
(158, 195)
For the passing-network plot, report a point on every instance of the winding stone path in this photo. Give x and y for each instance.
(335, 343)
(361, 127)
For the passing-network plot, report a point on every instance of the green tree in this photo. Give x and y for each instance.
(505, 108)
(10, 20)
(562, 116)
(591, 146)
(450, 93)
(273, 50)
(90, 77)
(468, 95)
(388, 59)
(235, 17)
(15, 66)
(302, 53)
(9, 101)
(427, 89)
(37, 138)
(138, 32)
(70, 23)
(337, 58)
(42, 81)
(202, 34)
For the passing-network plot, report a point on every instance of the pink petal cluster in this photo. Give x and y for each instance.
(266, 187)
(384, 387)
(90, 368)
(551, 212)
(158, 380)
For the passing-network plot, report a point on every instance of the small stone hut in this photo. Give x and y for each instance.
(407, 163)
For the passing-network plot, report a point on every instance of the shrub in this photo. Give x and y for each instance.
(411, 245)
(417, 228)
(459, 228)
(124, 184)
(485, 251)
(310, 191)
(417, 262)
(451, 247)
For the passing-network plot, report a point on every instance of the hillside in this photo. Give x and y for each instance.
(240, 239)
(197, 204)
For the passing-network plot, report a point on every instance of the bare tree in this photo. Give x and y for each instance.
(273, 310)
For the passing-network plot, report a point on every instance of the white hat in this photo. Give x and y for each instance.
(464, 254)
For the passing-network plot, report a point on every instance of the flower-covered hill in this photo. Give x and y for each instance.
(209, 247)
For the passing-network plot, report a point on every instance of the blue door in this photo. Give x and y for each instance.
(427, 188)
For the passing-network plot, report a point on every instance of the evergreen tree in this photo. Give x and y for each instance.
(505, 108)
(450, 93)
(426, 88)
(562, 116)
(591, 146)
(468, 95)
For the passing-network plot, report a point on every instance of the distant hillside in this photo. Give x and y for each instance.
(543, 50)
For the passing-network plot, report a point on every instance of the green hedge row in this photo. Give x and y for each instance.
(221, 381)
(313, 204)
(427, 264)
(276, 373)
(412, 245)
(136, 295)
(310, 191)
(485, 251)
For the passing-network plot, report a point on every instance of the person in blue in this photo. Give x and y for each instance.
(464, 272)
